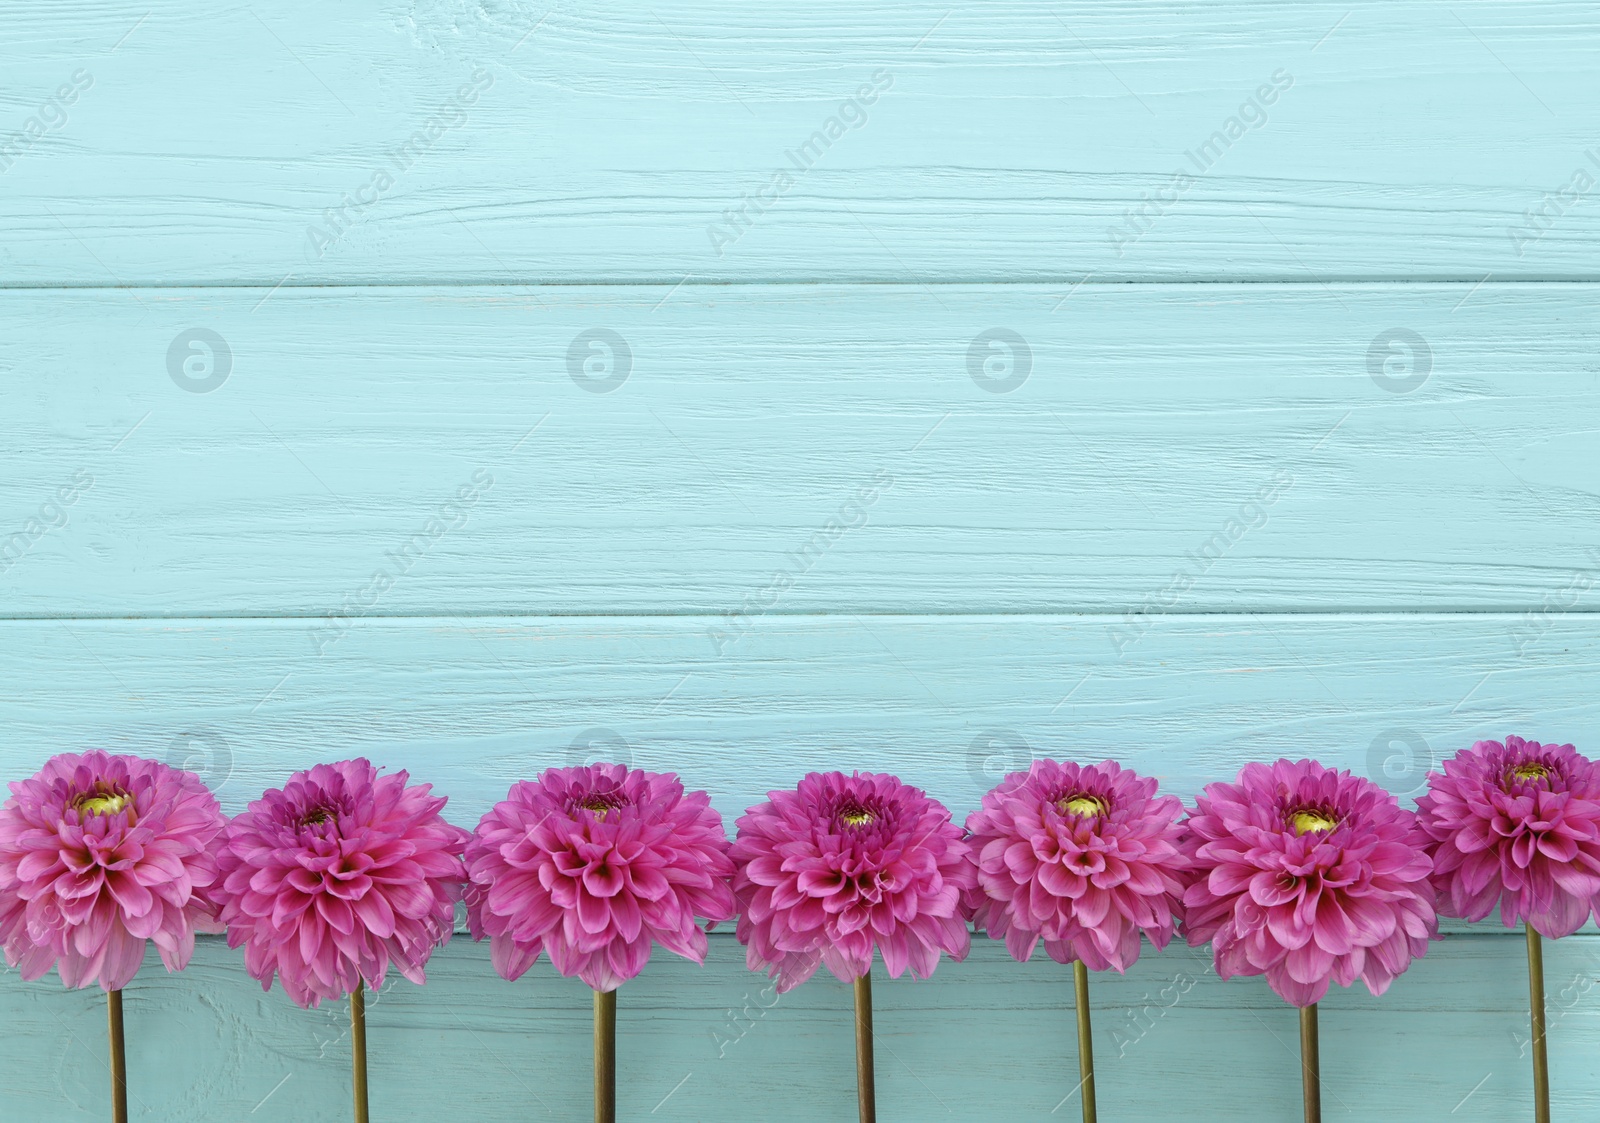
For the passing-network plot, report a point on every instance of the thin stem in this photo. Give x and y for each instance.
(358, 1051)
(1080, 988)
(119, 1058)
(605, 1056)
(1541, 1063)
(1310, 1064)
(866, 1093)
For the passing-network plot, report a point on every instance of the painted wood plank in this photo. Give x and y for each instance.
(152, 141)
(950, 703)
(1447, 1043)
(767, 449)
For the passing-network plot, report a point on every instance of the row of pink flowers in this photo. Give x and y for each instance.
(1301, 873)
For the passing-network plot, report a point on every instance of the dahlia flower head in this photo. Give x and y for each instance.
(336, 876)
(100, 854)
(845, 865)
(596, 865)
(1518, 825)
(1308, 876)
(1082, 857)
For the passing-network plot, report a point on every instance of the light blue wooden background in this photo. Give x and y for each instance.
(1078, 565)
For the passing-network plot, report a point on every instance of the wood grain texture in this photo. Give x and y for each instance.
(987, 1036)
(607, 141)
(802, 448)
(426, 512)
(949, 703)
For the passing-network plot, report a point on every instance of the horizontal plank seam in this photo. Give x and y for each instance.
(1298, 282)
(1449, 926)
(845, 613)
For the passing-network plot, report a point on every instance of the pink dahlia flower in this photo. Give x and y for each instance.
(595, 865)
(1516, 825)
(338, 874)
(1307, 875)
(98, 854)
(846, 864)
(1083, 857)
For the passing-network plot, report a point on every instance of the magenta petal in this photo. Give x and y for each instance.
(846, 866)
(99, 853)
(375, 913)
(1102, 850)
(1308, 876)
(1527, 818)
(336, 877)
(595, 865)
(510, 958)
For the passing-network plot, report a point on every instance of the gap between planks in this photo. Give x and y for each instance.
(1042, 281)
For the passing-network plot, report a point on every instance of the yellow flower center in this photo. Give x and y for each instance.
(856, 816)
(602, 803)
(1530, 771)
(1082, 805)
(1312, 822)
(102, 803)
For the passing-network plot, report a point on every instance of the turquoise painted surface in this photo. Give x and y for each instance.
(475, 296)
(603, 142)
(980, 1037)
(751, 415)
